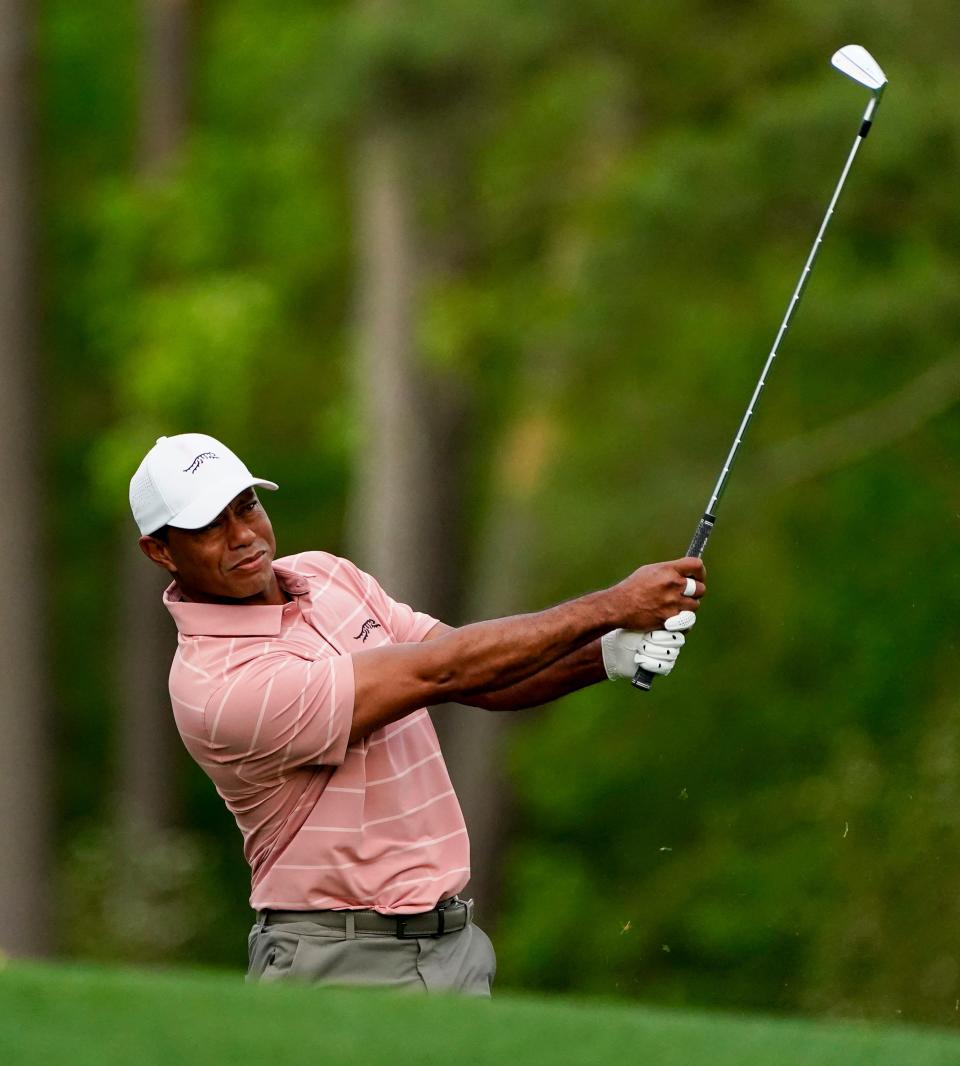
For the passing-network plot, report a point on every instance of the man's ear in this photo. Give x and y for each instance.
(158, 552)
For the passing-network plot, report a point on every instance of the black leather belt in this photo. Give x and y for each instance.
(449, 916)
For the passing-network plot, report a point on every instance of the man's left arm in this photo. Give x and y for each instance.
(575, 671)
(615, 655)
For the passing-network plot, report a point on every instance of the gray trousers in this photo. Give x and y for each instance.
(463, 961)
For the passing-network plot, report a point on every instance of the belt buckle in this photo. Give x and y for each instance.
(402, 934)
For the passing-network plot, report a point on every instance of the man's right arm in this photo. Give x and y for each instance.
(393, 680)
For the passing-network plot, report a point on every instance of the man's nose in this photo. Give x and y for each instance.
(239, 532)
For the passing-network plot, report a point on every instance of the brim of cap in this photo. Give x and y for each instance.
(204, 511)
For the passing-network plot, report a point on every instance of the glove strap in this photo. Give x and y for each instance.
(607, 642)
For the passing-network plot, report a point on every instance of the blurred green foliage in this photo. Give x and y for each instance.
(633, 190)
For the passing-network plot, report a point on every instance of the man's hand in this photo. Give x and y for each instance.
(654, 593)
(656, 651)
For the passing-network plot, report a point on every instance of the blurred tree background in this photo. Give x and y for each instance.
(485, 289)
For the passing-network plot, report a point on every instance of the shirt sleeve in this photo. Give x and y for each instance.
(282, 712)
(404, 625)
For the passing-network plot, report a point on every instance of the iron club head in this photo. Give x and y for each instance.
(857, 63)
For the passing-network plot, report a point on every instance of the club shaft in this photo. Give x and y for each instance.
(643, 679)
(791, 308)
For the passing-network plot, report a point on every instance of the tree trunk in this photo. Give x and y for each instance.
(475, 741)
(148, 743)
(148, 736)
(165, 84)
(405, 517)
(405, 522)
(407, 510)
(26, 785)
(475, 744)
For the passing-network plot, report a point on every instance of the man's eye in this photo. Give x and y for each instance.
(252, 504)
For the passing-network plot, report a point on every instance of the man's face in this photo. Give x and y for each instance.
(205, 561)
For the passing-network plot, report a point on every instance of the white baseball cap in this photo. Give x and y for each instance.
(186, 481)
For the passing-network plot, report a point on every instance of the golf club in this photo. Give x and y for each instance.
(856, 63)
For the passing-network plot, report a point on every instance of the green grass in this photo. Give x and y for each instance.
(62, 1014)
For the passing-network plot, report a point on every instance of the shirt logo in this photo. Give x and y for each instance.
(198, 462)
(371, 623)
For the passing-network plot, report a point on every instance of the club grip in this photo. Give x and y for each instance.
(701, 536)
(643, 679)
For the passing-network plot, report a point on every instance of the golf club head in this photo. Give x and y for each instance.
(858, 65)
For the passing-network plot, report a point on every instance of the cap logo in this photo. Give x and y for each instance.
(198, 462)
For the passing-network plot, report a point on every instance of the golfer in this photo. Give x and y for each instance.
(300, 687)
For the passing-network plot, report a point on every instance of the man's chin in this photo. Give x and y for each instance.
(245, 583)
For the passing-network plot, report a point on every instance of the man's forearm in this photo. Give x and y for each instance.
(470, 663)
(498, 654)
(577, 670)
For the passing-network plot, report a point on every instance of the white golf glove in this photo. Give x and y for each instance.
(626, 649)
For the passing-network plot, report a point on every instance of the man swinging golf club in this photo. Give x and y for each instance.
(300, 688)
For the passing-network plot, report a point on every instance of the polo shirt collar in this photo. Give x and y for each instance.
(233, 620)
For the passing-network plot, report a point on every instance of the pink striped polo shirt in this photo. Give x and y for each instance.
(263, 698)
